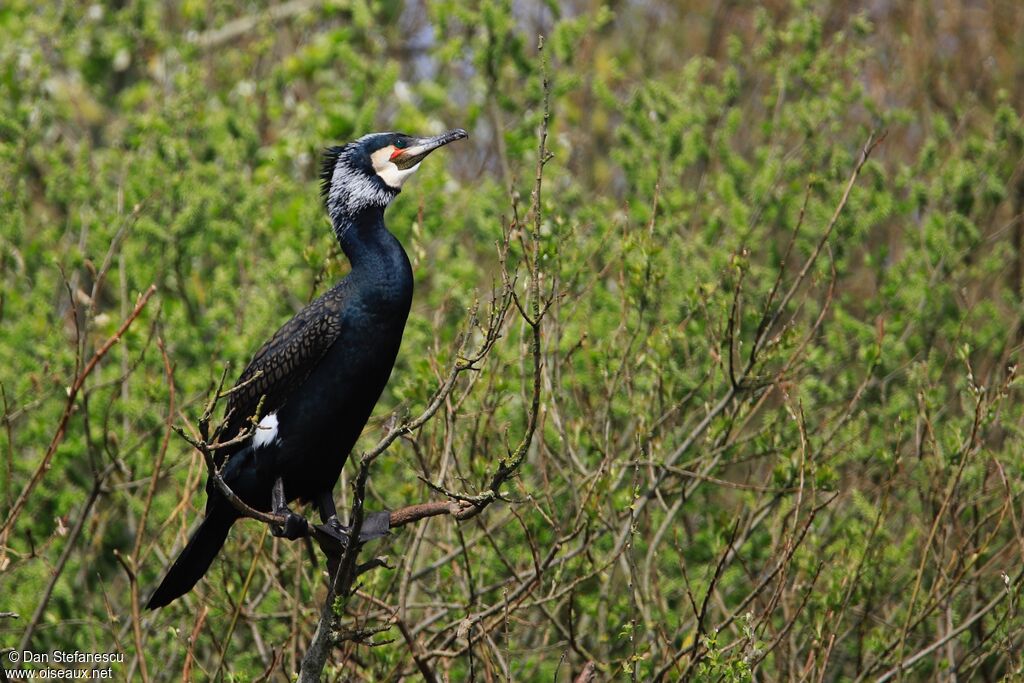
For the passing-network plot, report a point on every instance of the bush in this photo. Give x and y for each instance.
(779, 428)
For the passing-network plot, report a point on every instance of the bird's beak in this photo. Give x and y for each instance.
(410, 156)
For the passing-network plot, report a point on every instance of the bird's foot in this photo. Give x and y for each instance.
(332, 532)
(335, 535)
(295, 526)
(375, 525)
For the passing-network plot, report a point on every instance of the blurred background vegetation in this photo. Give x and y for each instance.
(727, 483)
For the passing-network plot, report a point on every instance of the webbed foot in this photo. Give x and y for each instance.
(375, 525)
(334, 535)
(295, 526)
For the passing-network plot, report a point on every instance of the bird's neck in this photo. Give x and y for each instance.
(379, 263)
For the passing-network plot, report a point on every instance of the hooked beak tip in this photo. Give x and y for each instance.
(445, 138)
(413, 155)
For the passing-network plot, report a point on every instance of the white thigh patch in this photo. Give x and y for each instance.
(266, 431)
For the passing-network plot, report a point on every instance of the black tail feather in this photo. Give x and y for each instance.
(194, 559)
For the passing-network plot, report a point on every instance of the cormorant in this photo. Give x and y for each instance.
(313, 385)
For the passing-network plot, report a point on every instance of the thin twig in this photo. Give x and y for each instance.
(69, 406)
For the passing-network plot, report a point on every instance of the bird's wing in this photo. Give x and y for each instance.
(285, 362)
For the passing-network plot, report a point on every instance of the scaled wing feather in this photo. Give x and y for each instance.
(285, 362)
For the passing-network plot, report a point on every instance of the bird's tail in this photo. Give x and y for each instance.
(195, 558)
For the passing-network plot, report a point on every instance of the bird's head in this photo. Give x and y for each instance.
(369, 172)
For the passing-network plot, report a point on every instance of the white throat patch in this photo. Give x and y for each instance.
(352, 191)
(386, 169)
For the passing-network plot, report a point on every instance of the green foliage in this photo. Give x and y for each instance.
(707, 496)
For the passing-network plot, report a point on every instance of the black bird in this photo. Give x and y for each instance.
(313, 386)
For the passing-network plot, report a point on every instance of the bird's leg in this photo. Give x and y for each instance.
(329, 512)
(332, 536)
(295, 525)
